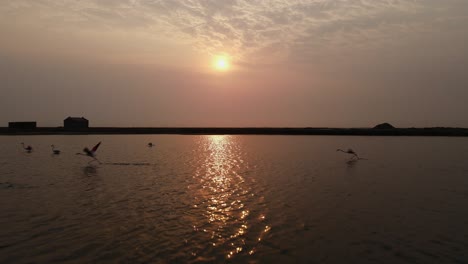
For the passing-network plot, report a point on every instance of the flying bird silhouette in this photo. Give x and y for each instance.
(350, 151)
(55, 151)
(90, 153)
(28, 148)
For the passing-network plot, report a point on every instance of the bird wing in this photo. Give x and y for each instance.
(96, 147)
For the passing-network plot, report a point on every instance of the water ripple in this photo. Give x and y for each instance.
(247, 199)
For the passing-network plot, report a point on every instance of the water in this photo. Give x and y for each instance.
(248, 199)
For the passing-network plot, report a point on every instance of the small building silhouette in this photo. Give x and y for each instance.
(75, 123)
(22, 125)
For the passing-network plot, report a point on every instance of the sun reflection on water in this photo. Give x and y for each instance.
(223, 196)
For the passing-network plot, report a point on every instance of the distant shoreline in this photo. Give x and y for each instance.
(432, 131)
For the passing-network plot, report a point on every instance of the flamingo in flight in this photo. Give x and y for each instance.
(350, 151)
(28, 148)
(91, 153)
(55, 151)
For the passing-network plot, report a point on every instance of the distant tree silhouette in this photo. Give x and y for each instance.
(384, 126)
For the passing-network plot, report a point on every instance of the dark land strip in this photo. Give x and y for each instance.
(432, 131)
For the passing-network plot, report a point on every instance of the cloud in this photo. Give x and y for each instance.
(264, 30)
(350, 56)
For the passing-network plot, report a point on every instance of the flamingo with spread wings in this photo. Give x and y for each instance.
(91, 153)
(350, 151)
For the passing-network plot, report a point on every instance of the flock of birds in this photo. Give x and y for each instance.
(92, 152)
(86, 151)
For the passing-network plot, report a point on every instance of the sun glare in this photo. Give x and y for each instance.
(221, 63)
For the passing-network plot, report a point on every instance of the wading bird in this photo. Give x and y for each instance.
(55, 151)
(91, 153)
(28, 148)
(350, 151)
(150, 145)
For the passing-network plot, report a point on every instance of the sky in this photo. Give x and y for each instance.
(288, 63)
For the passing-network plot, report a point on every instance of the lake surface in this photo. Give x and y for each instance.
(247, 199)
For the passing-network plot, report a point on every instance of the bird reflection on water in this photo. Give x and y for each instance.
(351, 163)
(90, 170)
(224, 198)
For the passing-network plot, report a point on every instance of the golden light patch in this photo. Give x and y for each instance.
(221, 63)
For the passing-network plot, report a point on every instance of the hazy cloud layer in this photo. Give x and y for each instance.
(268, 30)
(298, 62)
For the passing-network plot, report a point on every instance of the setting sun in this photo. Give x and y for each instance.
(221, 63)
